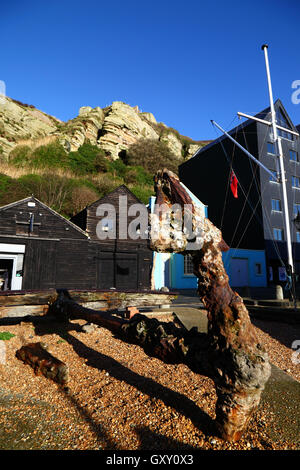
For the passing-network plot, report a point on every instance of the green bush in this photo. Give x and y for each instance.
(10, 190)
(117, 168)
(87, 159)
(152, 155)
(52, 155)
(20, 156)
(142, 193)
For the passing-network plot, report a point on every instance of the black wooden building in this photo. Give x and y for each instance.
(254, 220)
(40, 249)
(122, 262)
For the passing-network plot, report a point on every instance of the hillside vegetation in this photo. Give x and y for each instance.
(69, 165)
(68, 182)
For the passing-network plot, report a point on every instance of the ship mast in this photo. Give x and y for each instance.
(280, 157)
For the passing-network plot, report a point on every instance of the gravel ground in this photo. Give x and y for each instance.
(118, 397)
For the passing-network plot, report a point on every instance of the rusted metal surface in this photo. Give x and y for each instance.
(240, 365)
(229, 353)
(43, 363)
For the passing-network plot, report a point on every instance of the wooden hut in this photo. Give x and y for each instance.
(122, 262)
(40, 249)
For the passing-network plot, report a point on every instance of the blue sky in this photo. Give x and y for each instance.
(185, 61)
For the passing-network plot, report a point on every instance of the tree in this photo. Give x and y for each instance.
(152, 155)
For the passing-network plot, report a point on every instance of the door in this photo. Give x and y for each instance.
(106, 271)
(239, 272)
(126, 271)
(118, 270)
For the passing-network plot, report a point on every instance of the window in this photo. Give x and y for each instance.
(298, 237)
(271, 148)
(293, 156)
(278, 234)
(282, 121)
(296, 209)
(296, 182)
(258, 269)
(273, 178)
(188, 265)
(276, 205)
(285, 135)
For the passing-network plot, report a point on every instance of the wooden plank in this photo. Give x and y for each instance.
(23, 310)
(108, 297)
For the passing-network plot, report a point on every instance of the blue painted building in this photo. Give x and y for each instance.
(175, 271)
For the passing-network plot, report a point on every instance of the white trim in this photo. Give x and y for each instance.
(11, 248)
(16, 282)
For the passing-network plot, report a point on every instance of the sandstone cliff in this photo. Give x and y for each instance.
(113, 129)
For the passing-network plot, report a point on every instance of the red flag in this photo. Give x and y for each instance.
(234, 184)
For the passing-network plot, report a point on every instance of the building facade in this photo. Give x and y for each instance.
(254, 220)
(40, 249)
(244, 267)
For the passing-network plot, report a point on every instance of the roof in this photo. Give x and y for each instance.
(107, 195)
(32, 198)
(264, 114)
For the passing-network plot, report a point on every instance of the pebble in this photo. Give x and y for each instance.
(147, 405)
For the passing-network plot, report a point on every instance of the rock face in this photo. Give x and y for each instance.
(87, 125)
(20, 123)
(122, 127)
(113, 129)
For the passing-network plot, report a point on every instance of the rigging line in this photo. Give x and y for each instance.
(253, 212)
(269, 225)
(241, 186)
(246, 195)
(256, 216)
(277, 251)
(228, 179)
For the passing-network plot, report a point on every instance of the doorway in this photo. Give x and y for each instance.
(239, 272)
(6, 273)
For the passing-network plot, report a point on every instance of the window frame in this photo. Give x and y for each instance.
(273, 146)
(188, 265)
(273, 180)
(296, 204)
(291, 151)
(277, 230)
(258, 269)
(297, 178)
(279, 209)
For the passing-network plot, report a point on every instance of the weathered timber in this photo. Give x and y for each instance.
(229, 353)
(23, 310)
(110, 298)
(43, 363)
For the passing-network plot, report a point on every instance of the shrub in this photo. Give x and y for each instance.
(142, 193)
(10, 190)
(152, 155)
(106, 183)
(81, 196)
(87, 159)
(49, 189)
(117, 168)
(49, 156)
(137, 174)
(20, 156)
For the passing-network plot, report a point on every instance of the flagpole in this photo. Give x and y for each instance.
(277, 141)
